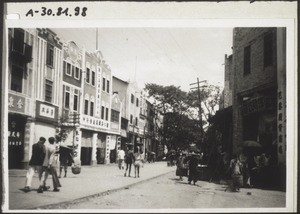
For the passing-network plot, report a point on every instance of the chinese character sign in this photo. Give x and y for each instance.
(16, 103)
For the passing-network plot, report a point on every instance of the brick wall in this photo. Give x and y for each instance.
(259, 74)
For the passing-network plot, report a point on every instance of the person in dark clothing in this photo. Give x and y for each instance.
(65, 159)
(129, 158)
(193, 163)
(36, 164)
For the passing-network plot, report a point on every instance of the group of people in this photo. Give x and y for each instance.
(45, 160)
(239, 171)
(135, 158)
(187, 166)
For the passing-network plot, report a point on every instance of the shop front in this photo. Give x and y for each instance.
(260, 122)
(19, 130)
(16, 131)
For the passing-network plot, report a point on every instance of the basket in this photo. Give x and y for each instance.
(76, 169)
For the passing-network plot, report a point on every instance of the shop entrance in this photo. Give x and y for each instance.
(16, 128)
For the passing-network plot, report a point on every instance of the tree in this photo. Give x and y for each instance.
(210, 98)
(179, 126)
(180, 111)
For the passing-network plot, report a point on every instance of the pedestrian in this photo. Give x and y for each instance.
(36, 163)
(52, 165)
(65, 158)
(128, 160)
(138, 162)
(121, 155)
(193, 164)
(181, 166)
(235, 168)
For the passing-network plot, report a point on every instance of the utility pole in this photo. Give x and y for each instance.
(199, 101)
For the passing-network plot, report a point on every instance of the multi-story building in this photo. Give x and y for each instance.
(59, 87)
(34, 68)
(21, 95)
(120, 87)
(255, 87)
(259, 91)
(130, 95)
(151, 144)
(71, 93)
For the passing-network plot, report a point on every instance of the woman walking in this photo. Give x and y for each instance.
(138, 162)
(181, 166)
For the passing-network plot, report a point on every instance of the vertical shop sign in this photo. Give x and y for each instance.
(281, 96)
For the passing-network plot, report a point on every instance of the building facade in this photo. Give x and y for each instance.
(59, 87)
(259, 94)
(255, 87)
(21, 114)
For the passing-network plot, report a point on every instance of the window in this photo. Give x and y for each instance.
(102, 112)
(103, 84)
(86, 107)
(16, 78)
(67, 97)
(247, 60)
(76, 73)
(115, 116)
(50, 55)
(93, 78)
(75, 104)
(136, 121)
(124, 123)
(268, 50)
(107, 87)
(87, 77)
(18, 42)
(132, 98)
(92, 109)
(67, 68)
(48, 90)
(106, 114)
(137, 102)
(131, 118)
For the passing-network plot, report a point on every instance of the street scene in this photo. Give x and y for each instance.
(147, 119)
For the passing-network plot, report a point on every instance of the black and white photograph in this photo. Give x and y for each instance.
(149, 107)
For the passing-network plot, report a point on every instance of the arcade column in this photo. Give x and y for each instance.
(28, 141)
(94, 149)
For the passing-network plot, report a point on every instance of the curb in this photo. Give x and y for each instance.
(65, 204)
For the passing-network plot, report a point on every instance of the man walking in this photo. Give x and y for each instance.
(121, 155)
(193, 163)
(50, 165)
(36, 163)
(129, 160)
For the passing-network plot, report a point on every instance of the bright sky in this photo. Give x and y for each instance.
(165, 56)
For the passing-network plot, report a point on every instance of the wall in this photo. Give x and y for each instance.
(259, 78)
(259, 75)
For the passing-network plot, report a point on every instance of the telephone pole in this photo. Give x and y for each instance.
(199, 101)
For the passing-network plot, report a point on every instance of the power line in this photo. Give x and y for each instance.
(181, 50)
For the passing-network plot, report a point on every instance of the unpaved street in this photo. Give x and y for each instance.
(168, 192)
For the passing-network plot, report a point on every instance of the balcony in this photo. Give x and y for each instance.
(20, 51)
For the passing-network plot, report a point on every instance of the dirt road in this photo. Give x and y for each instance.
(167, 192)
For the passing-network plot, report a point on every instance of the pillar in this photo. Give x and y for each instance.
(28, 141)
(78, 135)
(107, 150)
(94, 149)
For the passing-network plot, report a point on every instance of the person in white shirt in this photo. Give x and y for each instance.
(121, 156)
(51, 164)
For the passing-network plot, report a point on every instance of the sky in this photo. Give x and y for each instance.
(164, 56)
